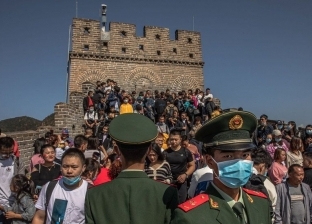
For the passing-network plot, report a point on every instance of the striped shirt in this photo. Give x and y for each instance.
(161, 173)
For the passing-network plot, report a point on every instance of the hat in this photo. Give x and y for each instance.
(276, 132)
(279, 122)
(132, 129)
(229, 131)
(264, 116)
(65, 131)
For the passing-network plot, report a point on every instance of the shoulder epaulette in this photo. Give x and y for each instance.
(194, 202)
(255, 193)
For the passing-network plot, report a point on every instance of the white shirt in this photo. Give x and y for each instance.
(92, 116)
(64, 204)
(209, 95)
(59, 153)
(200, 181)
(6, 174)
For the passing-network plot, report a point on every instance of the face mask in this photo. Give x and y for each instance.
(279, 127)
(278, 139)
(265, 173)
(268, 140)
(309, 132)
(125, 101)
(289, 127)
(91, 110)
(200, 97)
(234, 173)
(71, 181)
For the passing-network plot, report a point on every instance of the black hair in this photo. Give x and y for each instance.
(133, 153)
(292, 168)
(6, 142)
(209, 151)
(39, 142)
(23, 186)
(185, 138)
(175, 132)
(93, 143)
(79, 140)
(308, 126)
(91, 166)
(74, 152)
(48, 134)
(264, 116)
(138, 107)
(155, 147)
(44, 147)
(112, 157)
(260, 155)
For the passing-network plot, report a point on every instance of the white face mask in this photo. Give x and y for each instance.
(125, 101)
(199, 97)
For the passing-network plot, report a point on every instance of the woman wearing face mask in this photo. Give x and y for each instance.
(277, 142)
(278, 170)
(307, 138)
(290, 131)
(92, 170)
(268, 141)
(49, 170)
(126, 107)
(294, 155)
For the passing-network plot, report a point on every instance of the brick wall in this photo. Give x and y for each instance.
(68, 116)
(26, 140)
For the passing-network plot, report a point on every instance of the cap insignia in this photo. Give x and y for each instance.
(236, 122)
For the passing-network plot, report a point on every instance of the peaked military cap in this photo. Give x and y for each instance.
(132, 129)
(229, 131)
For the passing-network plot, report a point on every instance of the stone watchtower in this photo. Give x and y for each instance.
(153, 61)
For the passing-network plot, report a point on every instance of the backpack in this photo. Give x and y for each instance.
(170, 111)
(180, 106)
(256, 183)
(190, 111)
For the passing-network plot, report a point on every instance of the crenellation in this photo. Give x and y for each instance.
(125, 52)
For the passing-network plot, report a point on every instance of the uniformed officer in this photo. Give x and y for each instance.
(132, 197)
(228, 142)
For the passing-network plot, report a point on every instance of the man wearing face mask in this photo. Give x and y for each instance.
(66, 195)
(228, 143)
(9, 166)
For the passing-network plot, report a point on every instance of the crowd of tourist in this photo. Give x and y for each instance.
(282, 161)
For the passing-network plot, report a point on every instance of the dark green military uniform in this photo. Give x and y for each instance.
(216, 210)
(131, 198)
(228, 132)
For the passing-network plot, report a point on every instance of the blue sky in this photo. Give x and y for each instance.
(257, 53)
